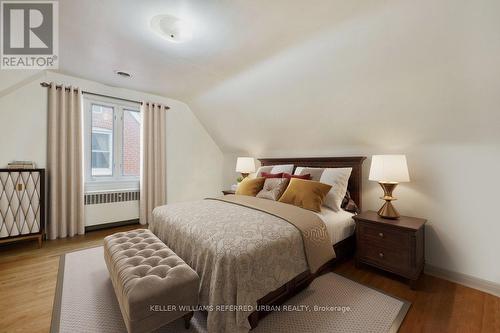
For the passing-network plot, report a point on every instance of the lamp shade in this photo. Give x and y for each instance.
(389, 168)
(245, 165)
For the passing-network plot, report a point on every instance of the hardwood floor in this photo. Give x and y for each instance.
(28, 281)
(437, 305)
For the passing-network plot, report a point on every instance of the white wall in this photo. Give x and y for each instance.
(194, 161)
(414, 77)
(23, 124)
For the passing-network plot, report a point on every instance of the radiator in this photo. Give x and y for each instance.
(110, 197)
(111, 207)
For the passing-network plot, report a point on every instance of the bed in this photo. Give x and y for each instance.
(247, 258)
(340, 225)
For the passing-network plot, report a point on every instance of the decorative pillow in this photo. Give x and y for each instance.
(349, 205)
(272, 175)
(273, 188)
(307, 194)
(338, 178)
(314, 172)
(250, 186)
(289, 176)
(274, 169)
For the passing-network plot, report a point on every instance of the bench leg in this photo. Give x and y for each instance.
(187, 319)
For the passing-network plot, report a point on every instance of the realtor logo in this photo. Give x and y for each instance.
(29, 32)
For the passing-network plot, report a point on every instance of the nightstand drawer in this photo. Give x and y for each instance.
(390, 258)
(388, 237)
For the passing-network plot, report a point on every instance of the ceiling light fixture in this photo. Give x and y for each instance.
(123, 74)
(172, 28)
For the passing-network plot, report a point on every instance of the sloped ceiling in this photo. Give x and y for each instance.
(98, 37)
(265, 76)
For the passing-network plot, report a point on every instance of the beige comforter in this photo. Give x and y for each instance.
(240, 253)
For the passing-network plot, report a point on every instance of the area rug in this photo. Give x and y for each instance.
(85, 302)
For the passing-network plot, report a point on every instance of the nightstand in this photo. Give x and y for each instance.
(396, 246)
(226, 192)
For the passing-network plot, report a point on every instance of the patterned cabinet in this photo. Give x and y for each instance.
(22, 204)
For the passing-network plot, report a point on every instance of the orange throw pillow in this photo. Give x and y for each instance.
(250, 186)
(307, 194)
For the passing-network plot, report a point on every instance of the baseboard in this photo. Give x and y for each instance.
(464, 279)
(111, 225)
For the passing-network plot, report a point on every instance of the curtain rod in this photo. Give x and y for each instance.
(46, 85)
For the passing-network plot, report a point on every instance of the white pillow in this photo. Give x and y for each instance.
(338, 178)
(314, 172)
(262, 169)
(288, 168)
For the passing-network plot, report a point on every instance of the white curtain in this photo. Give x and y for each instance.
(65, 162)
(154, 160)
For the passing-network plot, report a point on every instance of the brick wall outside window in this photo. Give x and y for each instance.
(131, 145)
(103, 119)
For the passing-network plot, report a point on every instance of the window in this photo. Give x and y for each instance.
(112, 144)
(102, 153)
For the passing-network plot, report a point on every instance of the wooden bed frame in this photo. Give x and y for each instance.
(343, 249)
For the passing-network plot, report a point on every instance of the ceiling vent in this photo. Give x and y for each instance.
(123, 74)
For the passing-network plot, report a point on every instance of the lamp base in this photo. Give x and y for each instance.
(388, 211)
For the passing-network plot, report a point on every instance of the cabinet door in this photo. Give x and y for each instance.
(29, 215)
(8, 197)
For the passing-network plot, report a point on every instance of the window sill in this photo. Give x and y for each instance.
(111, 185)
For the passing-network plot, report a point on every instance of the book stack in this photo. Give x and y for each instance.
(21, 165)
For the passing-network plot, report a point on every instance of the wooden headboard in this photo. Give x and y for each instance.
(354, 162)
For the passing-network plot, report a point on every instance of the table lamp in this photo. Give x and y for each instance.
(245, 166)
(388, 171)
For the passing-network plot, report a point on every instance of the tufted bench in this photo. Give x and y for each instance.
(152, 284)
